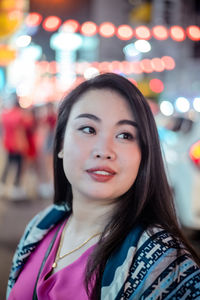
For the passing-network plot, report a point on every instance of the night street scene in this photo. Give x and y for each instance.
(48, 49)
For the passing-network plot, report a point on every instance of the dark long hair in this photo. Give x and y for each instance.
(148, 202)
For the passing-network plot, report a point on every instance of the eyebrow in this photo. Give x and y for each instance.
(95, 118)
(89, 116)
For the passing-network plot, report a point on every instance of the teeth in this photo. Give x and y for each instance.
(101, 172)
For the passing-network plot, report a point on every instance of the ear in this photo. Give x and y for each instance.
(60, 154)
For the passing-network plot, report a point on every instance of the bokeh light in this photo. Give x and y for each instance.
(53, 67)
(116, 66)
(196, 104)
(146, 65)
(65, 41)
(107, 29)
(89, 28)
(177, 33)
(70, 26)
(166, 108)
(193, 32)
(91, 72)
(136, 68)
(168, 62)
(157, 64)
(182, 104)
(160, 32)
(103, 66)
(23, 41)
(142, 46)
(51, 23)
(124, 32)
(130, 50)
(195, 152)
(143, 32)
(33, 19)
(156, 85)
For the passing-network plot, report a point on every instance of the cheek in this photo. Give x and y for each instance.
(131, 163)
(75, 153)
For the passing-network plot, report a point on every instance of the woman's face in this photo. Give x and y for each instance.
(101, 154)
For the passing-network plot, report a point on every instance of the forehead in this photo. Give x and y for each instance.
(102, 102)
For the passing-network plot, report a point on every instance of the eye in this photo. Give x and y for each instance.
(125, 136)
(87, 130)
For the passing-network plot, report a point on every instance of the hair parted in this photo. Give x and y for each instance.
(148, 202)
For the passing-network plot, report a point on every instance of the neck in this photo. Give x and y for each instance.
(90, 216)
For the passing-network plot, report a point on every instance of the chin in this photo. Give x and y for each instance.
(101, 197)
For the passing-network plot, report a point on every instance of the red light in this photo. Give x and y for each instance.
(124, 32)
(177, 33)
(156, 85)
(107, 29)
(89, 28)
(195, 153)
(160, 32)
(127, 67)
(53, 67)
(157, 64)
(143, 32)
(33, 19)
(70, 26)
(146, 65)
(136, 68)
(193, 32)
(81, 67)
(103, 66)
(44, 66)
(115, 66)
(95, 64)
(169, 62)
(51, 23)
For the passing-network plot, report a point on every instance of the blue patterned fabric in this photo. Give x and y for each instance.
(37, 228)
(147, 265)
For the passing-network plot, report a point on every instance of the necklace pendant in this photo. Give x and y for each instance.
(54, 265)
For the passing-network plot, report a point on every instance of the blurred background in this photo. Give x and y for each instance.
(47, 47)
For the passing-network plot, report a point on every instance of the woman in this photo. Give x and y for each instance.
(112, 231)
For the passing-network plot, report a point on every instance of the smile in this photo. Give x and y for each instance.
(101, 174)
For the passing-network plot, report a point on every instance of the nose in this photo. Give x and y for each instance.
(104, 150)
(99, 154)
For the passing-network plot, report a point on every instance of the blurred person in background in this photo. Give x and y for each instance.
(32, 164)
(112, 231)
(45, 188)
(14, 125)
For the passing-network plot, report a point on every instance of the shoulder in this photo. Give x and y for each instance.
(34, 232)
(151, 264)
(41, 224)
(163, 267)
(158, 249)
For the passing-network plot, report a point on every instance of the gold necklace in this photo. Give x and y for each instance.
(58, 256)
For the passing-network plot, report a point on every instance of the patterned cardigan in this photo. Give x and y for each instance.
(145, 266)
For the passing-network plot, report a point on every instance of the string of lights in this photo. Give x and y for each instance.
(108, 29)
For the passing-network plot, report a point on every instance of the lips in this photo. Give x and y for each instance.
(101, 174)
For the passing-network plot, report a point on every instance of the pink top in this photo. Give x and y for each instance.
(67, 283)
